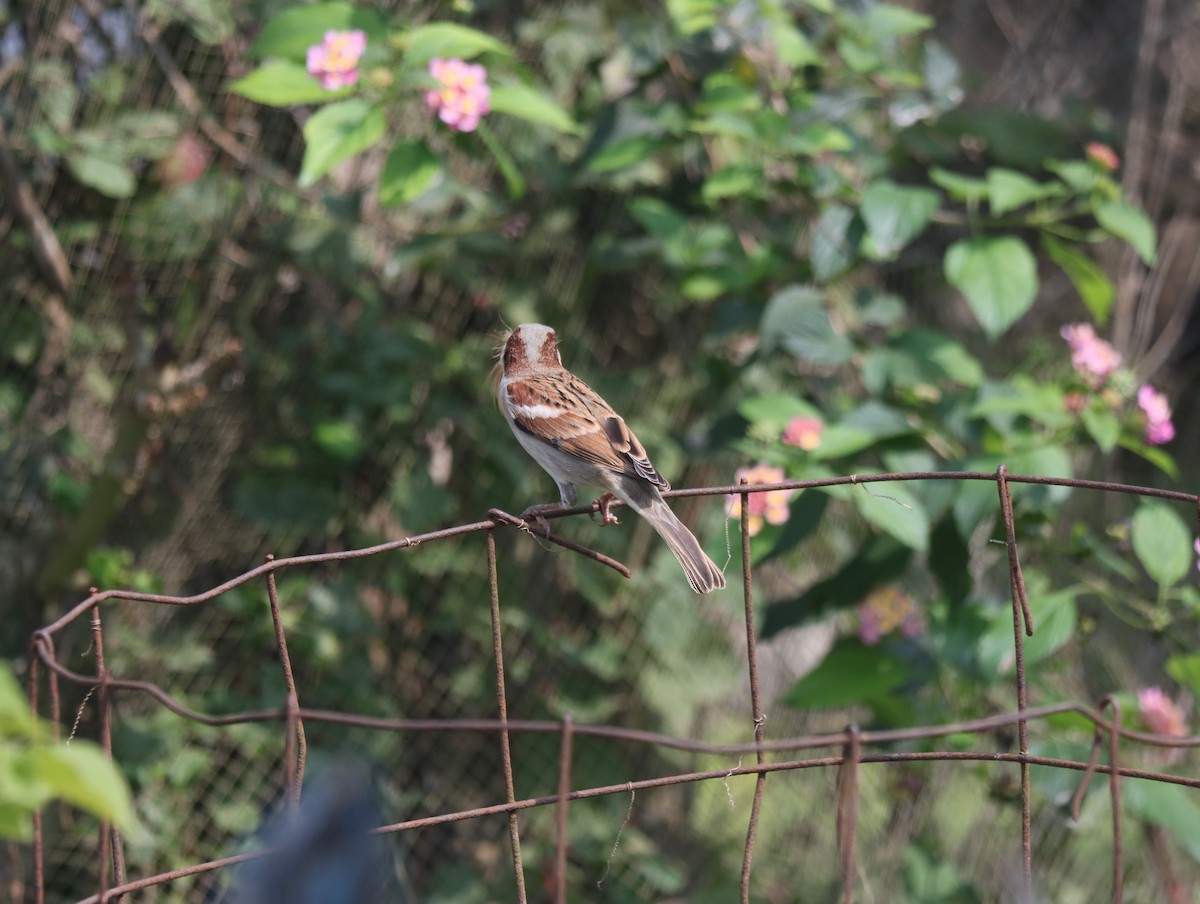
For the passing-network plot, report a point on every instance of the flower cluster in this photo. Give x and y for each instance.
(1154, 406)
(1163, 716)
(886, 610)
(803, 433)
(463, 95)
(770, 507)
(1096, 360)
(1091, 356)
(334, 62)
(1102, 155)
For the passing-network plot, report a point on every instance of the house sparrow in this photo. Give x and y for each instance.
(578, 439)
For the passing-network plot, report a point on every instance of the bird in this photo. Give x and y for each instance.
(577, 438)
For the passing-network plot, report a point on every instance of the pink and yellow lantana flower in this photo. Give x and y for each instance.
(770, 507)
(334, 62)
(462, 96)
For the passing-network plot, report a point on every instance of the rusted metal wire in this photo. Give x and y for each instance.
(562, 808)
(110, 839)
(295, 745)
(756, 712)
(1020, 603)
(852, 745)
(847, 810)
(510, 793)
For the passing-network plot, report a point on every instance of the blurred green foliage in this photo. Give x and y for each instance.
(715, 206)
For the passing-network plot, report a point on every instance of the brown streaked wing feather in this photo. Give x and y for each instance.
(627, 445)
(575, 430)
(630, 453)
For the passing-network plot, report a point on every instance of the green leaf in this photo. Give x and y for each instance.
(147, 134)
(1162, 542)
(1054, 618)
(894, 508)
(1156, 455)
(692, 16)
(1008, 190)
(885, 20)
(773, 410)
(1078, 174)
(834, 244)
(1185, 669)
(337, 132)
(624, 153)
(792, 46)
(293, 31)
(341, 439)
(850, 674)
(1162, 805)
(504, 160)
(816, 138)
(657, 217)
(81, 774)
(449, 39)
(16, 718)
(211, 21)
(998, 276)
(526, 103)
(920, 358)
(796, 319)
(410, 170)
(725, 92)
(740, 180)
(109, 177)
(282, 83)
(1093, 286)
(959, 187)
(895, 215)
(1127, 222)
(1102, 425)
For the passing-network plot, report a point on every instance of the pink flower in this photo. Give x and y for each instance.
(1161, 714)
(185, 162)
(464, 95)
(1196, 546)
(803, 432)
(334, 62)
(1153, 403)
(886, 610)
(1102, 155)
(1090, 355)
(770, 507)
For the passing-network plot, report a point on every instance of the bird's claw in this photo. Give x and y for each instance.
(601, 506)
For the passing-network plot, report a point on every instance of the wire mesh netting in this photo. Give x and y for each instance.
(464, 777)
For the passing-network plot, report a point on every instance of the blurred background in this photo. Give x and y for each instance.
(805, 237)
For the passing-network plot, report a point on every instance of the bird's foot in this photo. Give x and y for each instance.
(601, 506)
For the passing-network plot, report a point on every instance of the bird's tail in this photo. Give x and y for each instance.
(702, 573)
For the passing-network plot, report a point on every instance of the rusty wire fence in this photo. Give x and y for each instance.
(844, 752)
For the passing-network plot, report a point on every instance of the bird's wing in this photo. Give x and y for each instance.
(568, 414)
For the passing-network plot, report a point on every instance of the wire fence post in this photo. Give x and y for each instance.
(514, 829)
(1021, 614)
(110, 839)
(295, 746)
(756, 712)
